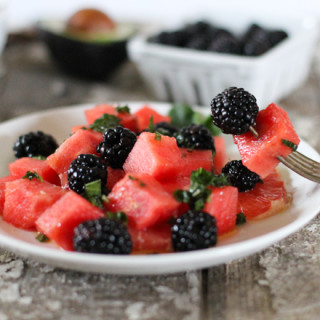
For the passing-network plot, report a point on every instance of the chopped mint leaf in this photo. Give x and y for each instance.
(181, 114)
(289, 144)
(32, 175)
(42, 237)
(142, 184)
(158, 136)
(105, 122)
(198, 192)
(119, 216)
(151, 124)
(39, 157)
(123, 109)
(92, 192)
(241, 218)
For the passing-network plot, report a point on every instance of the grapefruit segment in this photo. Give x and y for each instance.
(262, 198)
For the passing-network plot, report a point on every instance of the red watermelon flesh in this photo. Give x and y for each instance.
(150, 240)
(3, 181)
(59, 221)
(127, 120)
(82, 141)
(223, 205)
(145, 113)
(20, 167)
(259, 154)
(158, 158)
(26, 200)
(143, 199)
(220, 158)
(192, 160)
(262, 198)
(114, 175)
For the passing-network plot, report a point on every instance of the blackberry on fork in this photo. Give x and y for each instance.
(234, 110)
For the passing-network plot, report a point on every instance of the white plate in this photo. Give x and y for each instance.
(249, 238)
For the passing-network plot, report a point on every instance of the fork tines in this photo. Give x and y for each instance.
(302, 165)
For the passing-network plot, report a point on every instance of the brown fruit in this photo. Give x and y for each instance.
(89, 21)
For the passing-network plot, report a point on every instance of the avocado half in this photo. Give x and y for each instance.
(94, 56)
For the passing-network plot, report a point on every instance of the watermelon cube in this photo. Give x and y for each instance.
(260, 154)
(220, 158)
(59, 220)
(223, 205)
(127, 120)
(114, 175)
(82, 141)
(3, 182)
(192, 160)
(145, 113)
(143, 199)
(20, 167)
(26, 200)
(160, 158)
(155, 239)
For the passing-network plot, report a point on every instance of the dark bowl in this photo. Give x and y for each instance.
(84, 58)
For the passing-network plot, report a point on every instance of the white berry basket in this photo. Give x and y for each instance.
(195, 77)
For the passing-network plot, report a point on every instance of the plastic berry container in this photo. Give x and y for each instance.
(195, 77)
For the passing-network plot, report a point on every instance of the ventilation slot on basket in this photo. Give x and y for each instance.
(197, 93)
(168, 89)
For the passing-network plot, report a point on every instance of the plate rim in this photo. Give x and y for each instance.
(146, 264)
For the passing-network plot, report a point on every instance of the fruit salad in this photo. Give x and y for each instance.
(143, 182)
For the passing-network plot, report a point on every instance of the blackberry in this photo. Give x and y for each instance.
(194, 230)
(176, 38)
(84, 169)
(225, 43)
(195, 137)
(102, 236)
(240, 176)
(234, 110)
(199, 42)
(34, 144)
(116, 146)
(165, 128)
(277, 36)
(255, 47)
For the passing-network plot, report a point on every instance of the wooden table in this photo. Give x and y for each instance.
(281, 282)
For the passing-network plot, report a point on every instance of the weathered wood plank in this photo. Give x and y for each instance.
(30, 290)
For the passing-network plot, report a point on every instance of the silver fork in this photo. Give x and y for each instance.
(302, 165)
(299, 163)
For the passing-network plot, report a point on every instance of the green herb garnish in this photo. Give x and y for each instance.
(198, 192)
(289, 144)
(123, 109)
(142, 184)
(157, 136)
(32, 175)
(151, 124)
(42, 237)
(92, 192)
(183, 115)
(105, 122)
(39, 157)
(119, 216)
(241, 218)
